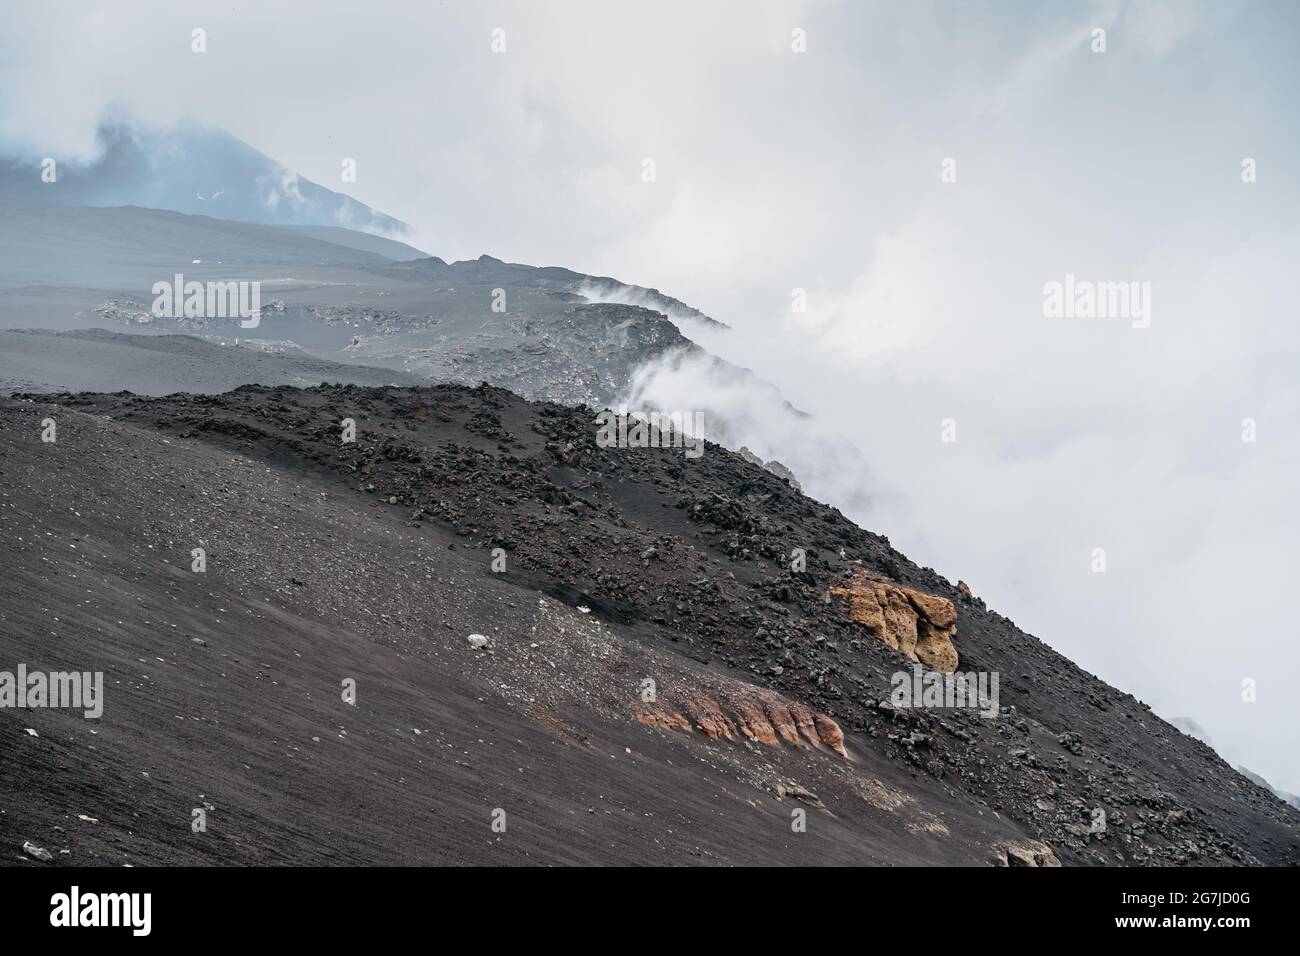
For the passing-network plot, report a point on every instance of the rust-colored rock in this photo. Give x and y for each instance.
(803, 719)
(746, 712)
(830, 734)
(664, 717)
(919, 625)
(778, 712)
(752, 719)
(709, 717)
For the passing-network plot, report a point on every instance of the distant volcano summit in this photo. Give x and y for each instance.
(193, 170)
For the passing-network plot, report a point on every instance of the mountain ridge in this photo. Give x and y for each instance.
(189, 169)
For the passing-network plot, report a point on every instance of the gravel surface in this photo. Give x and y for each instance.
(372, 561)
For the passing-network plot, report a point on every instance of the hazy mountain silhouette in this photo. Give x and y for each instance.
(193, 170)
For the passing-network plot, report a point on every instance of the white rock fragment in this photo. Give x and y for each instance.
(477, 640)
(40, 853)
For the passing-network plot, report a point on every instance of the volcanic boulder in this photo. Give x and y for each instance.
(1033, 853)
(919, 625)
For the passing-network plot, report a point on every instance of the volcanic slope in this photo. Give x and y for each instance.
(39, 360)
(639, 587)
(335, 298)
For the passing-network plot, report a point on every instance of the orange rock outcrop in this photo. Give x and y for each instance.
(919, 625)
(746, 712)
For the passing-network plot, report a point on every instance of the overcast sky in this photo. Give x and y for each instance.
(778, 170)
